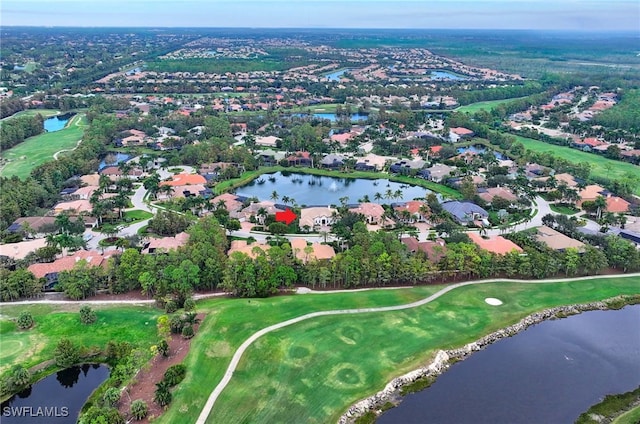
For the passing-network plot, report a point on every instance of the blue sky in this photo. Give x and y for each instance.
(587, 15)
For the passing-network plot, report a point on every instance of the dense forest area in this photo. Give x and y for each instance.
(625, 114)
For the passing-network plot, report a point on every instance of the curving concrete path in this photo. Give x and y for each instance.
(206, 410)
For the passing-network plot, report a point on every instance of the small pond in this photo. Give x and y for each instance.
(117, 159)
(55, 123)
(56, 399)
(444, 75)
(313, 190)
(550, 373)
(335, 76)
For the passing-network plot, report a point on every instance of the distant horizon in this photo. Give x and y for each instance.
(540, 15)
(574, 31)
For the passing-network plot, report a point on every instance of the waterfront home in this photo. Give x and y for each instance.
(372, 212)
(459, 133)
(317, 218)
(332, 161)
(439, 171)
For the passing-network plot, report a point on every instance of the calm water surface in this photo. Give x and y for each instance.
(54, 124)
(62, 393)
(550, 373)
(322, 191)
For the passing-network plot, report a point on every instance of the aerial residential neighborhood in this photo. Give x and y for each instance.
(281, 225)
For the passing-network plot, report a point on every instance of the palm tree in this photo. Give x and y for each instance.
(601, 204)
(261, 214)
(274, 196)
(377, 197)
(285, 199)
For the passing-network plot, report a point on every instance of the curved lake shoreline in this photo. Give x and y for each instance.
(445, 358)
(57, 397)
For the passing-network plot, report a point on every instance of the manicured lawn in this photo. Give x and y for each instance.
(122, 323)
(136, 215)
(563, 209)
(40, 149)
(312, 371)
(249, 176)
(599, 164)
(32, 112)
(488, 105)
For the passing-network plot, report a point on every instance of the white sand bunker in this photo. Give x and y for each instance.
(493, 301)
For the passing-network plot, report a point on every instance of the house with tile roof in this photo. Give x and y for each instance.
(251, 250)
(494, 244)
(372, 212)
(165, 244)
(49, 271)
(317, 217)
(184, 179)
(434, 249)
(556, 240)
(418, 211)
(311, 252)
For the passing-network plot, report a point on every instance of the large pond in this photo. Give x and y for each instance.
(54, 123)
(354, 117)
(56, 399)
(550, 373)
(313, 190)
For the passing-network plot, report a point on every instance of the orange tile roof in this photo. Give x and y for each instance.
(617, 204)
(495, 244)
(93, 258)
(185, 179)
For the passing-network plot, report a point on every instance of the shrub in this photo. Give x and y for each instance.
(189, 305)
(190, 317)
(25, 320)
(19, 377)
(66, 353)
(174, 374)
(139, 409)
(101, 415)
(187, 331)
(111, 396)
(176, 323)
(163, 348)
(170, 306)
(87, 315)
(162, 395)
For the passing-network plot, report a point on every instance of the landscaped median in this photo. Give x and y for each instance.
(313, 370)
(249, 176)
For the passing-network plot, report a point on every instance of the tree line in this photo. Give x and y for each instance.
(16, 130)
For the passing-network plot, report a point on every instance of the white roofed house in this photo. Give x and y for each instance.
(317, 218)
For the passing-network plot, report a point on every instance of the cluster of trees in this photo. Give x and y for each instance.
(10, 106)
(16, 130)
(625, 114)
(466, 97)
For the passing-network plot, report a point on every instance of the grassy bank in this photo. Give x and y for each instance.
(52, 323)
(40, 149)
(249, 176)
(278, 379)
(600, 166)
(612, 406)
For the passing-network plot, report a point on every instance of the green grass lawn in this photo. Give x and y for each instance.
(249, 176)
(312, 371)
(137, 215)
(40, 149)
(32, 112)
(123, 323)
(599, 164)
(488, 105)
(631, 417)
(563, 209)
